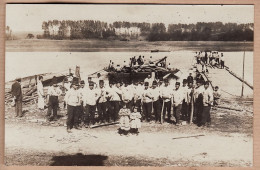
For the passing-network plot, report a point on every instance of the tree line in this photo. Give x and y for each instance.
(201, 31)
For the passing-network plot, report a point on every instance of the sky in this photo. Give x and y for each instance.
(29, 17)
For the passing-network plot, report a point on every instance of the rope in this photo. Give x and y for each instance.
(229, 93)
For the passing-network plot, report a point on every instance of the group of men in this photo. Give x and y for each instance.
(213, 58)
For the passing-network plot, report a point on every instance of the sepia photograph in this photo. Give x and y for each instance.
(128, 85)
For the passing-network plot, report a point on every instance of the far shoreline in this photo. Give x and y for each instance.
(96, 45)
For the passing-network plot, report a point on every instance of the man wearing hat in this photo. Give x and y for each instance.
(149, 80)
(117, 98)
(207, 102)
(73, 100)
(184, 111)
(166, 92)
(177, 102)
(52, 99)
(137, 91)
(89, 98)
(17, 94)
(147, 102)
(190, 78)
(156, 95)
(102, 102)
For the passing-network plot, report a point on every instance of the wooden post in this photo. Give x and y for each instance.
(243, 74)
(192, 108)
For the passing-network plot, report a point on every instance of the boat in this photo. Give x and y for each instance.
(137, 73)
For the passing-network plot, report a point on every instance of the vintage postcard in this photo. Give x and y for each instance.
(129, 85)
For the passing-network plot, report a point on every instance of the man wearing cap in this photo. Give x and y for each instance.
(156, 95)
(73, 100)
(149, 80)
(177, 102)
(207, 102)
(147, 102)
(137, 91)
(102, 103)
(52, 99)
(17, 94)
(90, 97)
(109, 96)
(184, 111)
(117, 98)
(166, 92)
(190, 78)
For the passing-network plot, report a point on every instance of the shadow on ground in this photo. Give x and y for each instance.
(79, 160)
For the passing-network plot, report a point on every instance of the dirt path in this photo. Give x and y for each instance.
(234, 149)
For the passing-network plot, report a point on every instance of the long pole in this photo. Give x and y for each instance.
(242, 92)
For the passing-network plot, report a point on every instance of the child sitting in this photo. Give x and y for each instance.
(216, 96)
(135, 118)
(124, 114)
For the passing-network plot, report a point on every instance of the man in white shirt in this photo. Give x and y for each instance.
(207, 102)
(156, 94)
(81, 110)
(117, 98)
(147, 102)
(166, 92)
(40, 93)
(102, 103)
(149, 80)
(73, 98)
(137, 92)
(89, 102)
(52, 99)
(127, 96)
(177, 102)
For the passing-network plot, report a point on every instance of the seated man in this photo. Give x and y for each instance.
(216, 96)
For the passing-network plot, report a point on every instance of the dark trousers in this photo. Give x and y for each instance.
(81, 113)
(137, 104)
(222, 63)
(205, 117)
(198, 108)
(147, 109)
(167, 107)
(129, 105)
(53, 106)
(18, 108)
(184, 111)
(73, 116)
(102, 112)
(114, 110)
(90, 114)
(157, 110)
(177, 112)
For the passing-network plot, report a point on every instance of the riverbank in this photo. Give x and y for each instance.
(43, 45)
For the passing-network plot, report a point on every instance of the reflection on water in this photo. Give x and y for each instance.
(31, 63)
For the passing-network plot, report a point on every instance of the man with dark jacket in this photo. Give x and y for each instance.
(17, 94)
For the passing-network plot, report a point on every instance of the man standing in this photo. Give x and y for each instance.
(177, 102)
(127, 96)
(149, 80)
(102, 103)
(52, 99)
(147, 102)
(72, 98)
(156, 94)
(117, 98)
(166, 92)
(185, 101)
(81, 109)
(222, 62)
(40, 93)
(89, 102)
(17, 94)
(207, 102)
(190, 78)
(198, 98)
(137, 91)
